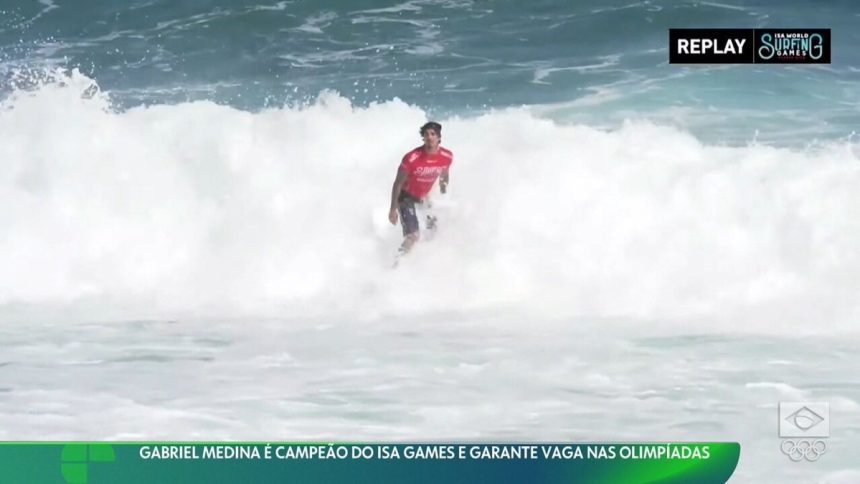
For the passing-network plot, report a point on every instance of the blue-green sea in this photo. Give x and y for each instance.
(598, 62)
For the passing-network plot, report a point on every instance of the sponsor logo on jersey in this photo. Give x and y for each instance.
(429, 170)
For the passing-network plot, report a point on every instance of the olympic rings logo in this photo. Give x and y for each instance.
(803, 449)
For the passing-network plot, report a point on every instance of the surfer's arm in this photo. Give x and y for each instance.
(399, 180)
(443, 181)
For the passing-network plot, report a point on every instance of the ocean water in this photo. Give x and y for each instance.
(194, 240)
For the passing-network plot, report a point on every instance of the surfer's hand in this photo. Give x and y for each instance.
(392, 216)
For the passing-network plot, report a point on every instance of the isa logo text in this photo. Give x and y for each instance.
(797, 46)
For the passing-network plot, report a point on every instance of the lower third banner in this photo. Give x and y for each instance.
(314, 462)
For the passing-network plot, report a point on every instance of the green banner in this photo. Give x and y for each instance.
(310, 462)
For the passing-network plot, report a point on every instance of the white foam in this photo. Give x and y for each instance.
(848, 476)
(542, 73)
(783, 390)
(317, 22)
(207, 209)
(403, 7)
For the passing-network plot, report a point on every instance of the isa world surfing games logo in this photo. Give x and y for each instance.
(749, 46)
(792, 46)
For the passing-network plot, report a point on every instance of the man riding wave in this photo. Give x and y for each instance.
(418, 171)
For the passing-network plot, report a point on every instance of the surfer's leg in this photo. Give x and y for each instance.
(409, 222)
(408, 242)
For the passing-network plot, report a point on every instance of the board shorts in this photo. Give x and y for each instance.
(408, 217)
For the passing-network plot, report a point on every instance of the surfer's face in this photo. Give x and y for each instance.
(430, 137)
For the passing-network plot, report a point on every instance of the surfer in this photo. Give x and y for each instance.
(416, 175)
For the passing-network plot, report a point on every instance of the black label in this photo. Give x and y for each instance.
(749, 46)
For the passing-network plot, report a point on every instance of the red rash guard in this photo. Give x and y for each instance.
(423, 169)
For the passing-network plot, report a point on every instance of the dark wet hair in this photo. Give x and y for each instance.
(431, 125)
